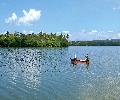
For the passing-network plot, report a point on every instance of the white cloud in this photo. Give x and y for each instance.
(29, 18)
(29, 32)
(110, 31)
(94, 31)
(24, 32)
(118, 35)
(65, 32)
(83, 30)
(116, 8)
(11, 19)
(4, 32)
(86, 36)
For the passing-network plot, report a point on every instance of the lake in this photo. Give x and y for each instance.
(47, 73)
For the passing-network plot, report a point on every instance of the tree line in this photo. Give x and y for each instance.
(33, 40)
(94, 43)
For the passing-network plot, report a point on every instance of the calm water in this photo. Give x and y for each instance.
(47, 74)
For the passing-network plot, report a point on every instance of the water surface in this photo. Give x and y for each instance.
(47, 74)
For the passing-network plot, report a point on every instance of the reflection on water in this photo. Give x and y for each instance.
(75, 65)
(47, 74)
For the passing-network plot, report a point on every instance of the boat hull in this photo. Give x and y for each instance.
(74, 61)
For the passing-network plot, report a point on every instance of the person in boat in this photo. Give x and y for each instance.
(87, 59)
(75, 57)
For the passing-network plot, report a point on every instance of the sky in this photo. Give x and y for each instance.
(81, 19)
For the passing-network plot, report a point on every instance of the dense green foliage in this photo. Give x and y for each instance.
(33, 40)
(94, 43)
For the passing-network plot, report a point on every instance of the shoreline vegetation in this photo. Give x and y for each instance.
(48, 40)
(112, 42)
(33, 40)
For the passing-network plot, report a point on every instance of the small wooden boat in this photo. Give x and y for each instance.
(75, 61)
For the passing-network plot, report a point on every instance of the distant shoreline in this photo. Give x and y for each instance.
(112, 42)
